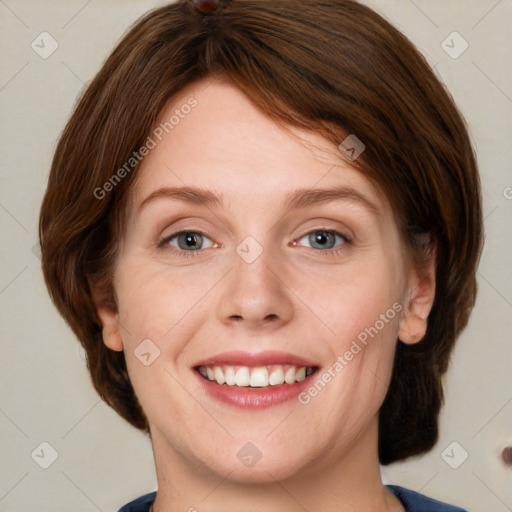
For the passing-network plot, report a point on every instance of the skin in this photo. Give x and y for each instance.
(294, 297)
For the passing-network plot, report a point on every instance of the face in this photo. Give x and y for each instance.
(236, 265)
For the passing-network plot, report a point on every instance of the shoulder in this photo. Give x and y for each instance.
(141, 504)
(415, 502)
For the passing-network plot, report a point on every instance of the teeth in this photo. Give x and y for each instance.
(229, 373)
(289, 376)
(242, 377)
(300, 374)
(219, 375)
(259, 377)
(276, 378)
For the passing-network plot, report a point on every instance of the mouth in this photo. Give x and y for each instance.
(255, 377)
(255, 380)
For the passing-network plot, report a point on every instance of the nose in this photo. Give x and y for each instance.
(255, 294)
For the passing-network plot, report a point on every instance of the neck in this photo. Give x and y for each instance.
(347, 483)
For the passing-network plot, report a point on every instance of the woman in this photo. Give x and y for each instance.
(263, 222)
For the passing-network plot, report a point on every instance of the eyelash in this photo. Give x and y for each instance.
(180, 252)
(188, 254)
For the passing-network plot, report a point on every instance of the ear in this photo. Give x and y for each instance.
(109, 317)
(421, 294)
(111, 335)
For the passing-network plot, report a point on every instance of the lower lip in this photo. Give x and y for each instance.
(254, 398)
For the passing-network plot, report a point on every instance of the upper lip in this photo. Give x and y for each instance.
(266, 358)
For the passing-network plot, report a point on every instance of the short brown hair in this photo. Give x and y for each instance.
(333, 66)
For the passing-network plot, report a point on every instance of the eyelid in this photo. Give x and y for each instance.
(343, 232)
(346, 238)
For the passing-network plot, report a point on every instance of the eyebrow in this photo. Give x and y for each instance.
(297, 199)
(307, 197)
(189, 194)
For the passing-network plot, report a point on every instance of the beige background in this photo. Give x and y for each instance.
(45, 393)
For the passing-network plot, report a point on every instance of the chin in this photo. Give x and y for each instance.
(250, 464)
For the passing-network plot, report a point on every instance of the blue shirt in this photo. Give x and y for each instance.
(412, 501)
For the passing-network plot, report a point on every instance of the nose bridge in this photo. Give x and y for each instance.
(254, 293)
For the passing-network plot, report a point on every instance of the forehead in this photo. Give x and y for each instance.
(212, 136)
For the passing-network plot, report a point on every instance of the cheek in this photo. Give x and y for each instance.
(156, 313)
(351, 298)
(359, 306)
(152, 300)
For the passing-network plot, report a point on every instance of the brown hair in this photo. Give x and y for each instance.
(335, 67)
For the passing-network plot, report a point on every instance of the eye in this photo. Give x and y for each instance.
(186, 241)
(325, 239)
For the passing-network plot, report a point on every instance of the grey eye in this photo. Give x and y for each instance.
(323, 239)
(188, 241)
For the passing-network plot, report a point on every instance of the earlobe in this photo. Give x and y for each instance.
(111, 335)
(413, 324)
(412, 329)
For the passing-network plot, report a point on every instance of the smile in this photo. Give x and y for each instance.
(254, 380)
(258, 377)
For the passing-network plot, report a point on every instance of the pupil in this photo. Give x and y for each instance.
(191, 240)
(322, 237)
